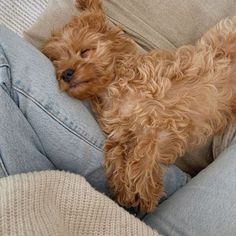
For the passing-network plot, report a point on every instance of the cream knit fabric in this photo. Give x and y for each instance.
(59, 203)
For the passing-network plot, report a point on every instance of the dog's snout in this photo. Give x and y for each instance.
(67, 75)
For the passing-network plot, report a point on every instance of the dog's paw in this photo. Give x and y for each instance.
(147, 206)
(134, 200)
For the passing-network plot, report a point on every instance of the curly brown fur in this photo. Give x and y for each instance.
(154, 106)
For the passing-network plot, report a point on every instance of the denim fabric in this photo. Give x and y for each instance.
(43, 128)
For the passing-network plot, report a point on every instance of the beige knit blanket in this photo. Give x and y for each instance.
(60, 203)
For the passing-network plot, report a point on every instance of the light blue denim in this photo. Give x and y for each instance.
(42, 128)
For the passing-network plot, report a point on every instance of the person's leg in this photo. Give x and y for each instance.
(66, 132)
(20, 147)
(59, 130)
(204, 206)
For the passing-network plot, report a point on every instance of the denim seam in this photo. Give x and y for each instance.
(4, 65)
(2, 165)
(55, 118)
(4, 62)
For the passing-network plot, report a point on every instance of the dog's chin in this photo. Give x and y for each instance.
(80, 91)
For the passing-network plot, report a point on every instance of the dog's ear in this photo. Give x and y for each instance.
(53, 47)
(121, 43)
(92, 15)
(89, 5)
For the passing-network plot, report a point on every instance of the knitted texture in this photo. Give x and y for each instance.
(20, 15)
(60, 203)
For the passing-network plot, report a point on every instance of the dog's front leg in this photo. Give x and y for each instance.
(115, 155)
(144, 173)
(135, 171)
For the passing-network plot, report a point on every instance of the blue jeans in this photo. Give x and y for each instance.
(42, 128)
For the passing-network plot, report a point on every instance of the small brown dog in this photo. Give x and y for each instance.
(153, 107)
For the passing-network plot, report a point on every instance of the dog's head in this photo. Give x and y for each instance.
(85, 53)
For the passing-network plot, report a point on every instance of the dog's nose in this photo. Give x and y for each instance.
(67, 75)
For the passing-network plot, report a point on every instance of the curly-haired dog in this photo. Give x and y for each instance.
(154, 106)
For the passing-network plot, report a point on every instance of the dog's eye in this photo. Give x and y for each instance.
(84, 52)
